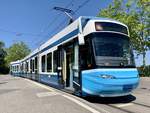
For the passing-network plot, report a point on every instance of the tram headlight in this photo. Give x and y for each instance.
(105, 76)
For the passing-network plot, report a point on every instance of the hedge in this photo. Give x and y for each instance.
(144, 71)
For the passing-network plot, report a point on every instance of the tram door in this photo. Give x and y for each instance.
(76, 72)
(69, 65)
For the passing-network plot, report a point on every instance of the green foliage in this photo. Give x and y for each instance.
(17, 52)
(144, 71)
(135, 14)
(3, 67)
(2, 54)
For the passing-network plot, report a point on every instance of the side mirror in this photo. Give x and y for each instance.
(81, 39)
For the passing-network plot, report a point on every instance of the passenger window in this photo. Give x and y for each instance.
(33, 65)
(27, 66)
(55, 61)
(17, 68)
(49, 62)
(43, 63)
(36, 63)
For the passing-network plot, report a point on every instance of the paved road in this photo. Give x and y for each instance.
(138, 102)
(19, 95)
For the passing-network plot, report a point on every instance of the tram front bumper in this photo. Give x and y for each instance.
(109, 82)
(92, 87)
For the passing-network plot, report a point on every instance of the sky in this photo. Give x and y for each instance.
(35, 21)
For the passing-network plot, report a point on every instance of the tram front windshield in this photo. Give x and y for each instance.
(112, 50)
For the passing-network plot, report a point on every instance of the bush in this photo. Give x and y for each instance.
(4, 70)
(144, 71)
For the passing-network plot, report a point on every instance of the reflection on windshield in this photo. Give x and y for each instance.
(112, 49)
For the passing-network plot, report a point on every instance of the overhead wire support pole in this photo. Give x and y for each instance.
(66, 11)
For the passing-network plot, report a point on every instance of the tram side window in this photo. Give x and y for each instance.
(12, 68)
(21, 67)
(43, 63)
(27, 66)
(49, 62)
(86, 60)
(33, 65)
(24, 66)
(55, 61)
(17, 68)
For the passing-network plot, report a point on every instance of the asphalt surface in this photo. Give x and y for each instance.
(20, 95)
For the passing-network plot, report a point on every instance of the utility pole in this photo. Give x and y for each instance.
(66, 11)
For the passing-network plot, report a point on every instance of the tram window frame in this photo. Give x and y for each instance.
(49, 62)
(43, 63)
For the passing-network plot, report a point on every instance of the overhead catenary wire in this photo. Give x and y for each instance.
(82, 5)
(62, 22)
(52, 23)
(17, 33)
(56, 18)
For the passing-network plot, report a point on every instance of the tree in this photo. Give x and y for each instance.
(3, 68)
(143, 7)
(2, 54)
(17, 52)
(135, 14)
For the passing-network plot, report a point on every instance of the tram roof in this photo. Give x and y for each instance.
(67, 27)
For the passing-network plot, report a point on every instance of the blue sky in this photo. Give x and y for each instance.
(35, 21)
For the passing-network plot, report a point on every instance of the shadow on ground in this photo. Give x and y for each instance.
(3, 83)
(111, 100)
(4, 91)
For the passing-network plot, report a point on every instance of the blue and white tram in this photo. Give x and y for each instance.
(91, 56)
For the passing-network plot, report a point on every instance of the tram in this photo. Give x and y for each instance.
(91, 56)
